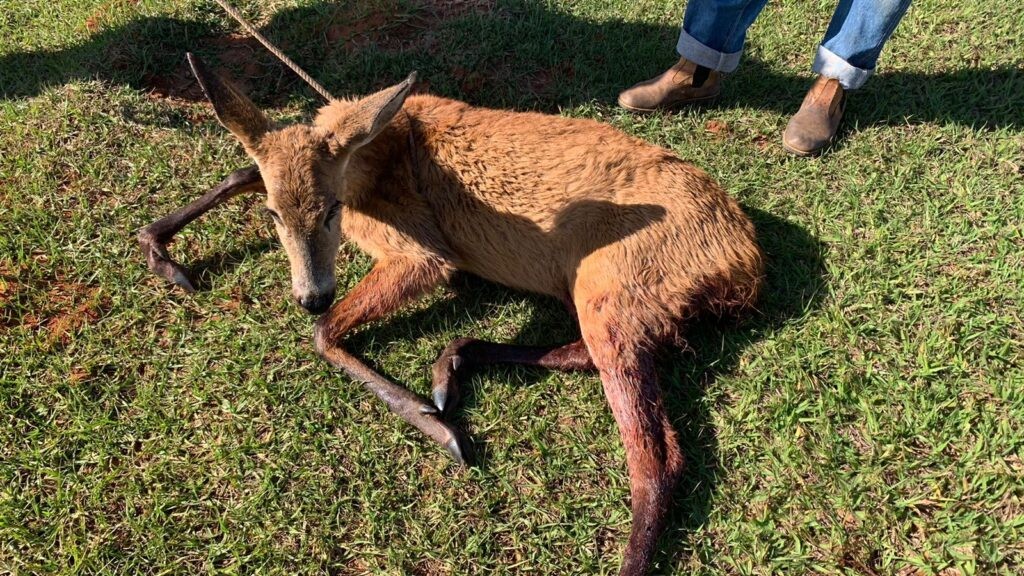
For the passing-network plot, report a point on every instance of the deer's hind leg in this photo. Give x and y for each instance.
(622, 352)
(466, 353)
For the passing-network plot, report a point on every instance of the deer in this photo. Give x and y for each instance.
(636, 242)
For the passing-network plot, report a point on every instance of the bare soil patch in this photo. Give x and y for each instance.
(242, 59)
(349, 29)
(57, 306)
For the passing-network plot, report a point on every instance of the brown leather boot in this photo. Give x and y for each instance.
(816, 123)
(674, 87)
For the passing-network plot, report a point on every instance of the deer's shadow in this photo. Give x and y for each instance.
(795, 285)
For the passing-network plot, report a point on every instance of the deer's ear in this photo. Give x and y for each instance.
(369, 116)
(236, 112)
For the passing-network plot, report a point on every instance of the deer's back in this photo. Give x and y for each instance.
(530, 199)
(571, 207)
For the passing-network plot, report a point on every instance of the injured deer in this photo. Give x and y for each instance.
(631, 238)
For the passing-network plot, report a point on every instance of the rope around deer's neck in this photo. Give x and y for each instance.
(275, 50)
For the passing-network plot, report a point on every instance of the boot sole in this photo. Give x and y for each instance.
(804, 153)
(673, 106)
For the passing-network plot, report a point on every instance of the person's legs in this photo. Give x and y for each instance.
(710, 43)
(845, 60)
(713, 31)
(855, 37)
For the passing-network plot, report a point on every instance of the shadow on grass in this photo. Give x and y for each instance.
(794, 287)
(214, 265)
(497, 53)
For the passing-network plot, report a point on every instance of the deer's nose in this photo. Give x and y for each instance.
(316, 303)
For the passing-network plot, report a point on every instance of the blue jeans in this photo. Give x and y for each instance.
(714, 30)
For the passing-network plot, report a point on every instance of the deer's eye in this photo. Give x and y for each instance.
(332, 213)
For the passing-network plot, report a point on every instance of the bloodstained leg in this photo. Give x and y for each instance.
(153, 239)
(468, 352)
(653, 456)
(391, 284)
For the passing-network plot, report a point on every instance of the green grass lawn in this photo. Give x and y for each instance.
(867, 421)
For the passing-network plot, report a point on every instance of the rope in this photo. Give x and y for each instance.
(275, 50)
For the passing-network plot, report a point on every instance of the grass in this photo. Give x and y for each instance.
(868, 421)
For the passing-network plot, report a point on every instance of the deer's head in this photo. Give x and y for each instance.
(303, 169)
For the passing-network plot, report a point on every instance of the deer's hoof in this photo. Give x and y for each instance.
(440, 396)
(179, 278)
(457, 450)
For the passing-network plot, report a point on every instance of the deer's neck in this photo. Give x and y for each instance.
(382, 169)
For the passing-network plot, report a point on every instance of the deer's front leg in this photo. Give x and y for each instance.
(386, 288)
(153, 239)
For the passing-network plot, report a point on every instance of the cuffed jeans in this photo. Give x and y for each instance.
(714, 31)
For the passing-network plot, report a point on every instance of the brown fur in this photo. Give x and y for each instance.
(564, 207)
(632, 237)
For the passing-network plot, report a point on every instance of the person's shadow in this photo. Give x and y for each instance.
(513, 54)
